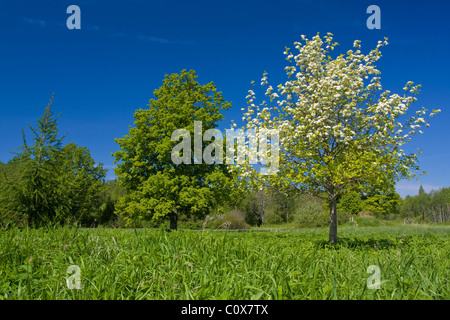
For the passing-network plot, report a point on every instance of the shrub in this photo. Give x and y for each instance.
(191, 223)
(368, 221)
(343, 217)
(233, 221)
(311, 213)
(275, 219)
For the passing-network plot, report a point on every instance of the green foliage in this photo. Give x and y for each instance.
(350, 202)
(277, 219)
(83, 183)
(191, 224)
(110, 194)
(10, 182)
(368, 222)
(284, 203)
(376, 203)
(157, 187)
(311, 213)
(381, 204)
(252, 209)
(231, 221)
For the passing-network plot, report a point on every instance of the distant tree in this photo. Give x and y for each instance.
(251, 210)
(111, 193)
(262, 202)
(338, 130)
(10, 188)
(421, 190)
(423, 203)
(158, 187)
(350, 202)
(283, 201)
(83, 182)
(381, 204)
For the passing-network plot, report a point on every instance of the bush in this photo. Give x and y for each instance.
(343, 217)
(233, 221)
(274, 219)
(311, 214)
(368, 221)
(192, 224)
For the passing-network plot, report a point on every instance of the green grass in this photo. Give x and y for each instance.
(277, 264)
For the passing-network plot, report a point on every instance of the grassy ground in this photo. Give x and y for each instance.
(277, 264)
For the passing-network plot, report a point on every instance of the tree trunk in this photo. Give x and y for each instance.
(287, 209)
(261, 199)
(333, 220)
(30, 219)
(174, 220)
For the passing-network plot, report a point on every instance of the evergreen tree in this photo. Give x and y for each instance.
(41, 198)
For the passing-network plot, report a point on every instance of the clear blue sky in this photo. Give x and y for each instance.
(103, 72)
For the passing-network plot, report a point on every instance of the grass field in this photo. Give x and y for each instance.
(276, 264)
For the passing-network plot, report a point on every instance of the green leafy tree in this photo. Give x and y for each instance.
(255, 206)
(111, 193)
(381, 204)
(158, 187)
(424, 202)
(284, 202)
(338, 130)
(83, 182)
(350, 202)
(10, 188)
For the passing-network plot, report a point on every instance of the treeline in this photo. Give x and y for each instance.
(275, 207)
(427, 207)
(49, 183)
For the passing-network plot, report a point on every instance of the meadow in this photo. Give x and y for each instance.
(257, 264)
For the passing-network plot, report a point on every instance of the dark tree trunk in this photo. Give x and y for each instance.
(30, 219)
(174, 220)
(333, 220)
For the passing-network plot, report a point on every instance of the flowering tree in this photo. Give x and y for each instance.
(338, 129)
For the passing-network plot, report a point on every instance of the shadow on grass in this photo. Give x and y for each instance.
(354, 243)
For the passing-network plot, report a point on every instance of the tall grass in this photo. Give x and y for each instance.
(154, 264)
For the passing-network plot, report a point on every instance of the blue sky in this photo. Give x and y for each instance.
(102, 73)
